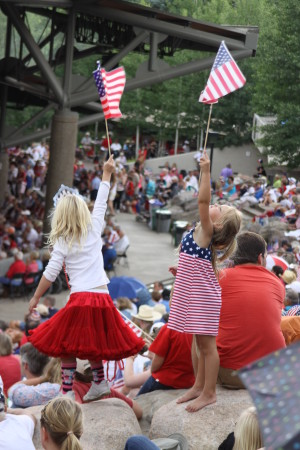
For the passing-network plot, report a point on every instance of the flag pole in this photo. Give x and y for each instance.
(206, 137)
(109, 153)
(207, 128)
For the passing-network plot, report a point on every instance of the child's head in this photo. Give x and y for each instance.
(247, 435)
(61, 424)
(278, 270)
(227, 222)
(70, 220)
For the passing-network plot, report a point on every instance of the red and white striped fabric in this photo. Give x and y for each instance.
(134, 327)
(225, 77)
(196, 301)
(110, 87)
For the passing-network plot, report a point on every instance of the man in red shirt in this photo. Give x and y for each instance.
(171, 366)
(17, 267)
(252, 301)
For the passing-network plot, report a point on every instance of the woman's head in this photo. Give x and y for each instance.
(70, 220)
(61, 423)
(6, 345)
(227, 222)
(247, 433)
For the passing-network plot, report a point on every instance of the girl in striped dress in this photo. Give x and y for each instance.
(196, 300)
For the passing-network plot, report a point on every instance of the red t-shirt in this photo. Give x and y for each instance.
(177, 370)
(252, 300)
(10, 371)
(16, 267)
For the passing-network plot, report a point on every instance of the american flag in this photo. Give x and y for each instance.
(110, 87)
(137, 330)
(225, 77)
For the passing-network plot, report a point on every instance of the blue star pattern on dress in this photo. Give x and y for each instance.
(189, 246)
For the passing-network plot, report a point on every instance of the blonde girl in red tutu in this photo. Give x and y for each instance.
(89, 326)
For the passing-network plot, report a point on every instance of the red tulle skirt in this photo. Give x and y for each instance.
(88, 327)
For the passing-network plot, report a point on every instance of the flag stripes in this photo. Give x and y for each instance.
(225, 77)
(110, 87)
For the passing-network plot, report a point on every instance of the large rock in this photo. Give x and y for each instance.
(204, 429)
(152, 402)
(107, 425)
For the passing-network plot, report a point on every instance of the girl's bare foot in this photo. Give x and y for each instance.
(189, 395)
(200, 402)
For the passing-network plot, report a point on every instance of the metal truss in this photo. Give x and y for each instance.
(40, 73)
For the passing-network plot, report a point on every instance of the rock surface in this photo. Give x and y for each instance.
(107, 425)
(204, 429)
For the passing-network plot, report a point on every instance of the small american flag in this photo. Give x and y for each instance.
(110, 87)
(131, 325)
(225, 77)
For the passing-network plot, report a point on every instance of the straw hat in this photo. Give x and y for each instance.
(289, 276)
(147, 313)
(160, 307)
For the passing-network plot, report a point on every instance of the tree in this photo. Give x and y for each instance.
(277, 90)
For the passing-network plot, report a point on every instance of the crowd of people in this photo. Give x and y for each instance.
(40, 356)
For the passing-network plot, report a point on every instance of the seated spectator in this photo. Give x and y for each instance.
(125, 305)
(3, 325)
(32, 321)
(37, 390)
(246, 435)
(171, 366)
(291, 300)
(122, 244)
(252, 300)
(226, 171)
(61, 424)
(143, 297)
(17, 267)
(278, 271)
(50, 303)
(31, 267)
(16, 427)
(146, 317)
(288, 277)
(136, 373)
(156, 296)
(294, 285)
(43, 312)
(229, 189)
(290, 327)
(10, 367)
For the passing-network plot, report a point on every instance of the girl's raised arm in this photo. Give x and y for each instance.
(204, 197)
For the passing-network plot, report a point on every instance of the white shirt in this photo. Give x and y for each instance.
(84, 264)
(121, 245)
(116, 147)
(16, 432)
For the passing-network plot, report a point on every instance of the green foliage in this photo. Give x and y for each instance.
(277, 88)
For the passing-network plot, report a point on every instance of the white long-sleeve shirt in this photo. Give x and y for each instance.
(84, 264)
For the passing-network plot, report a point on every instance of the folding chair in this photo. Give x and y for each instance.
(123, 258)
(17, 285)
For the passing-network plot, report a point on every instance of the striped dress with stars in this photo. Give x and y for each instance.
(196, 300)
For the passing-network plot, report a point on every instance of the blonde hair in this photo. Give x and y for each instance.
(70, 221)
(62, 419)
(247, 435)
(52, 371)
(6, 346)
(224, 236)
(123, 303)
